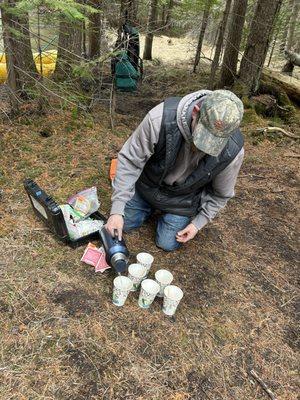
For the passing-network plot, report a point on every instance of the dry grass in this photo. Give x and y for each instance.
(62, 338)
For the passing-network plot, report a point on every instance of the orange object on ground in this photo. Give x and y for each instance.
(113, 168)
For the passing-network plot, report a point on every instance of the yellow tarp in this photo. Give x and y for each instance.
(48, 57)
(48, 63)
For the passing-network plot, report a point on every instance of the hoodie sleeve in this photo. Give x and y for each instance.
(215, 199)
(132, 158)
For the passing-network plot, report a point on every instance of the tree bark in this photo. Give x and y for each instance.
(169, 13)
(292, 24)
(219, 44)
(69, 48)
(95, 30)
(201, 35)
(273, 46)
(257, 44)
(22, 72)
(285, 26)
(233, 42)
(163, 16)
(150, 28)
(128, 11)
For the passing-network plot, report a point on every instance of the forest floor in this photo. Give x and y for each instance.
(62, 338)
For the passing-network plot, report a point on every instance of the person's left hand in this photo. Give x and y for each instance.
(188, 233)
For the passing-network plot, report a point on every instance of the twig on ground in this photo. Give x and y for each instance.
(291, 155)
(254, 176)
(287, 302)
(262, 384)
(269, 280)
(277, 129)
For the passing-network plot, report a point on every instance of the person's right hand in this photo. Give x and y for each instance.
(115, 223)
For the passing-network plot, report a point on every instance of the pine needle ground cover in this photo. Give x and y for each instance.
(62, 338)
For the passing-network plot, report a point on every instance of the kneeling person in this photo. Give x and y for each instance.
(183, 159)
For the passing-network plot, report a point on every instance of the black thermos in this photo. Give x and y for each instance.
(116, 251)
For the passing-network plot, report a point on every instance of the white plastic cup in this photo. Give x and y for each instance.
(164, 278)
(146, 260)
(122, 286)
(149, 289)
(136, 273)
(172, 296)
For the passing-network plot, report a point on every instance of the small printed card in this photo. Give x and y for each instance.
(96, 257)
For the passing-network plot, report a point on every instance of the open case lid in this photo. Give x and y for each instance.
(46, 209)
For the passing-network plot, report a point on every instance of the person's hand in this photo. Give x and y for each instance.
(115, 223)
(188, 233)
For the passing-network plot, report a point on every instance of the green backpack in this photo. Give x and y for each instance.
(126, 76)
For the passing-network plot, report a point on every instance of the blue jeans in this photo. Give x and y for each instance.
(137, 211)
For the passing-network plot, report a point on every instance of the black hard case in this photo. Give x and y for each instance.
(49, 211)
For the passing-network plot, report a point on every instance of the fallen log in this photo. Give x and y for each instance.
(290, 86)
(293, 59)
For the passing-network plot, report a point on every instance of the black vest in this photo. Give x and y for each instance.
(184, 198)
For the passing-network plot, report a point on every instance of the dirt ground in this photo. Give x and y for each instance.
(62, 338)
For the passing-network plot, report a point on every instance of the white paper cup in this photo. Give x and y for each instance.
(164, 278)
(149, 289)
(136, 273)
(172, 296)
(145, 259)
(122, 286)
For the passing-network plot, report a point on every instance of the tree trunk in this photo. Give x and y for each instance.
(169, 13)
(273, 46)
(285, 27)
(69, 48)
(163, 16)
(219, 44)
(22, 72)
(128, 11)
(150, 28)
(292, 25)
(201, 35)
(233, 42)
(95, 30)
(258, 43)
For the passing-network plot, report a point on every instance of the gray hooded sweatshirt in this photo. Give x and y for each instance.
(140, 146)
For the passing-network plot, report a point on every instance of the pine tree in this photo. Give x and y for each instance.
(94, 32)
(128, 11)
(205, 17)
(220, 39)
(233, 42)
(22, 73)
(169, 13)
(258, 43)
(292, 24)
(150, 28)
(69, 47)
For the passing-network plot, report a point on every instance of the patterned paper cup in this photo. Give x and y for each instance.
(172, 296)
(164, 278)
(136, 273)
(122, 286)
(149, 289)
(146, 260)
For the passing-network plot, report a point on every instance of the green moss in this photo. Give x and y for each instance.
(222, 334)
(251, 117)
(286, 111)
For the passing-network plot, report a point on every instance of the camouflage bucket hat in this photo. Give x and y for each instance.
(221, 112)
